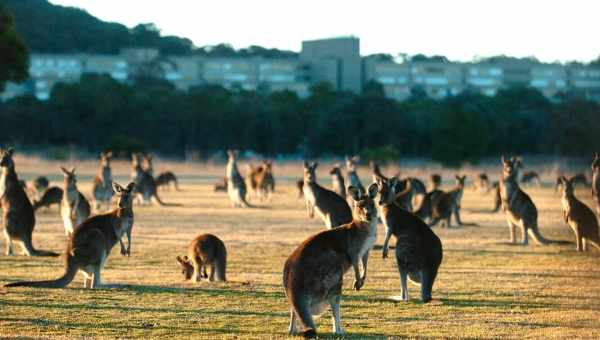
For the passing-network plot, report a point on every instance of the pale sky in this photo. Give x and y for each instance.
(553, 30)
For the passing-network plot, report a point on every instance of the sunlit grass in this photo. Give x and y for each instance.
(485, 289)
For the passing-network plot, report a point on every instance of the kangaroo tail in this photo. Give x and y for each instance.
(221, 267)
(31, 251)
(414, 278)
(304, 316)
(534, 232)
(61, 282)
(164, 204)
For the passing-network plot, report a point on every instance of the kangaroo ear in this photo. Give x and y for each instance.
(457, 177)
(306, 165)
(182, 261)
(354, 193)
(117, 188)
(72, 171)
(130, 186)
(64, 171)
(503, 159)
(315, 165)
(10, 151)
(373, 189)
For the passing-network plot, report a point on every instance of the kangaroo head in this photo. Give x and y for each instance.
(6, 160)
(310, 175)
(135, 159)
(148, 160)
(233, 155)
(351, 163)
(510, 167)
(386, 189)
(460, 181)
(268, 165)
(105, 158)
(566, 185)
(125, 195)
(186, 266)
(364, 204)
(335, 170)
(596, 163)
(70, 177)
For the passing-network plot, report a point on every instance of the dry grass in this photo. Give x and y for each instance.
(485, 289)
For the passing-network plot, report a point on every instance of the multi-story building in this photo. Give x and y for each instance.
(48, 69)
(549, 79)
(484, 78)
(335, 60)
(395, 78)
(438, 79)
(584, 80)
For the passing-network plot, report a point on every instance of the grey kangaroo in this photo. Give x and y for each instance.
(236, 186)
(313, 274)
(581, 218)
(18, 218)
(102, 190)
(337, 180)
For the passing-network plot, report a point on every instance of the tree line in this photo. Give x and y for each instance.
(99, 113)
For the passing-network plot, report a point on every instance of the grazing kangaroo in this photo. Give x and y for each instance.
(581, 218)
(332, 208)
(596, 181)
(164, 179)
(102, 191)
(18, 218)
(145, 187)
(91, 242)
(337, 180)
(518, 206)
(236, 187)
(74, 207)
(52, 195)
(418, 250)
(204, 250)
(447, 203)
(436, 181)
(352, 175)
(313, 274)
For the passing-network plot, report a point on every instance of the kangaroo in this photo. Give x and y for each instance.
(300, 188)
(265, 182)
(337, 179)
(164, 179)
(221, 186)
(52, 195)
(74, 207)
(204, 250)
(250, 178)
(405, 198)
(102, 191)
(91, 242)
(447, 203)
(578, 179)
(148, 166)
(18, 218)
(418, 250)
(497, 197)
(518, 206)
(436, 181)
(145, 187)
(236, 187)
(596, 181)
(581, 218)
(37, 187)
(313, 274)
(332, 208)
(482, 182)
(352, 175)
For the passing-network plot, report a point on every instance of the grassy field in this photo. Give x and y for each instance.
(485, 288)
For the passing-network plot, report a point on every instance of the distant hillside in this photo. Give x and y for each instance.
(48, 28)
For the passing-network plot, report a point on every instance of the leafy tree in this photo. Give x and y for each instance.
(14, 60)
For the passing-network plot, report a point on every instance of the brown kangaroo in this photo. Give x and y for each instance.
(482, 182)
(18, 218)
(407, 189)
(436, 181)
(204, 250)
(265, 182)
(313, 274)
(446, 204)
(52, 195)
(102, 191)
(91, 242)
(351, 174)
(145, 187)
(164, 179)
(497, 197)
(596, 181)
(518, 206)
(332, 208)
(578, 179)
(581, 218)
(221, 186)
(74, 207)
(418, 250)
(337, 180)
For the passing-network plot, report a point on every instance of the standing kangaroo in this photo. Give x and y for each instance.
(236, 186)
(145, 187)
(596, 181)
(337, 180)
(581, 218)
(418, 250)
(332, 208)
(352, 175)
(313, 274)
(164, 179)
(518, 206)
(446, 204)
(18, 218)
(102, 191)
(74, 207)
(265, 182)
(91, 242)
(204, 250)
